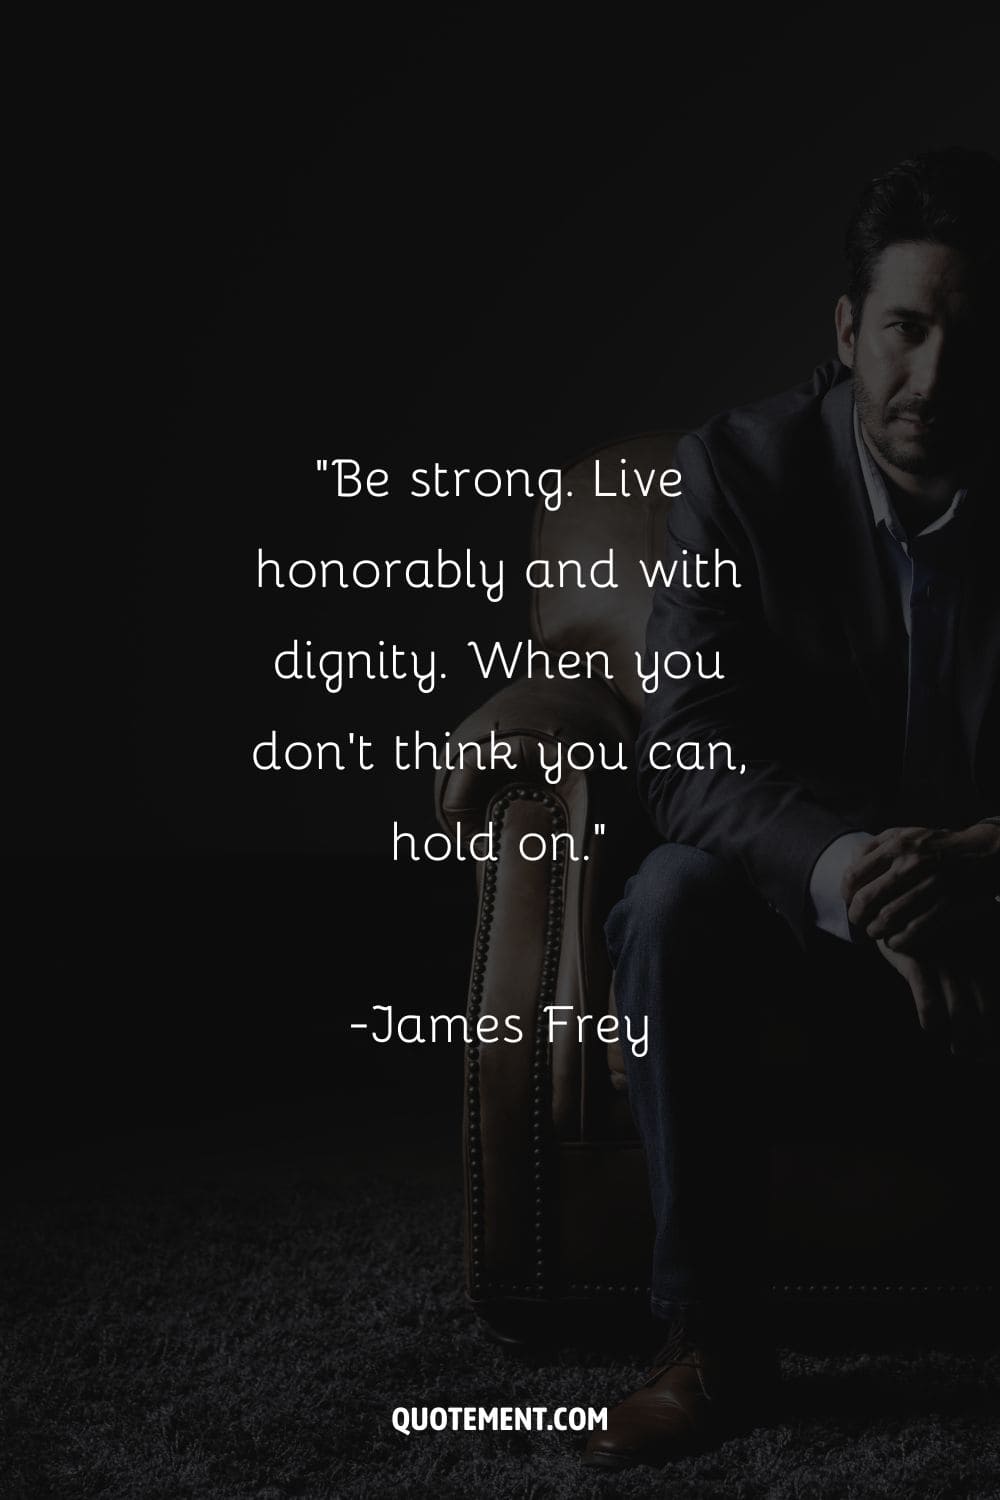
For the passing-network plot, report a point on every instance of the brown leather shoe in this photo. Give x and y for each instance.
(696, 1394)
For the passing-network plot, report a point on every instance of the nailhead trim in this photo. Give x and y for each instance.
(540, 1052)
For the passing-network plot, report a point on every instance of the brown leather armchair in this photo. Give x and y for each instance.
(557, 1204)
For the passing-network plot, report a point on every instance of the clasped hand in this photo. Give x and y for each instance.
(926, 896)
(911, 885)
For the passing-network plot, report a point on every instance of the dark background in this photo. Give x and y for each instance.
(485, 238)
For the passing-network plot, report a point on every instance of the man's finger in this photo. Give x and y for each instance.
(905, 873)
(881, 853)
(927, 996)
(909, 913)
(868, 866)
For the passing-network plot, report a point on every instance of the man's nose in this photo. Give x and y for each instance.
(928, 367)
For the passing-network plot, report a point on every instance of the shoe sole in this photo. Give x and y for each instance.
(690, 1449)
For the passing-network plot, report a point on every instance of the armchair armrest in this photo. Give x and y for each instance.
(525, 715)
(539, 934)
(531, 1104)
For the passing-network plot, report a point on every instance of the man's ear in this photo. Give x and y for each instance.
(844, 319)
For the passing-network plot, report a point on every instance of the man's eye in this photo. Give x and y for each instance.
(912, 332)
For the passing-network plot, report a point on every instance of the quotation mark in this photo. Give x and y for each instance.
(598, 829)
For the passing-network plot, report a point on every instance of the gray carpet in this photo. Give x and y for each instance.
(241, 1332)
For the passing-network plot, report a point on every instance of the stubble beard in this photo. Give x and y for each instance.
(934, 458)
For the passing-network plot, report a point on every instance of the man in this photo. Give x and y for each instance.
(859, 639)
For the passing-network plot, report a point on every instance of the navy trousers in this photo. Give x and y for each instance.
(713, 968)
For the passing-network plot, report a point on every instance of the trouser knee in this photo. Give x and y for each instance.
(677, 897)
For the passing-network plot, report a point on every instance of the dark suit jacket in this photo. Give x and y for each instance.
(812, 645)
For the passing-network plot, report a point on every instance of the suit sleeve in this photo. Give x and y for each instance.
(762, 817)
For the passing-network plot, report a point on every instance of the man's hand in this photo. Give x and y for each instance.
(911, 886)
(956, 996)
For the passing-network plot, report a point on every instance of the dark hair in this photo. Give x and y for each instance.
(949, 196)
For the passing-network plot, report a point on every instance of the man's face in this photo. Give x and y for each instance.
(919, 396)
